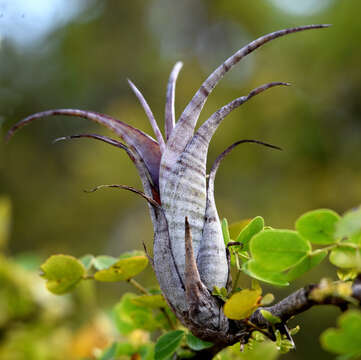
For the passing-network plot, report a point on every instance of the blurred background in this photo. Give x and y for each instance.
(79, 54)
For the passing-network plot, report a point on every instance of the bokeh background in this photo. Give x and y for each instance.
(79, 54)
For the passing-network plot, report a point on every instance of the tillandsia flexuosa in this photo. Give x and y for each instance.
(190, 257)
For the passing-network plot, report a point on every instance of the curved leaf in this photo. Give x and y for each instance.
(167, 344)
(278, 250)
(242, 304)
(62, 273)
(318, 226)
(123, 269)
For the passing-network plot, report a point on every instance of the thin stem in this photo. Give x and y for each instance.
(138, 286)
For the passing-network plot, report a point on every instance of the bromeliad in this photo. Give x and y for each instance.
(190, 257)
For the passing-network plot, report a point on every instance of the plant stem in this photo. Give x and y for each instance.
(138, 286)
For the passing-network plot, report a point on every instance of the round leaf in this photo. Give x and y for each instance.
(346, 257)
(349, 224)
(346, 339)
(278, 250)
(150, 301)
(242, 304)
(318, 226)
(197, 344)
(253, 228)
(256, 271)
(62, 273)
(123, 269)
(167, 344)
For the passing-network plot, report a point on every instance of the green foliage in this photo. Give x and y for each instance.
(252, 228)
(62, 273)
(167, 344)
(278, 250)
(197, 344)
(272, 319)
(346, 257)
(123, 269)
(318, 226)
(346, 340)
(242, 304)
(222, 293)
(349, 225)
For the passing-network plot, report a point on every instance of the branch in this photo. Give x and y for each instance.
(304, 298)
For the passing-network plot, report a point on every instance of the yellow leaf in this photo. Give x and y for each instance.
(242, 304)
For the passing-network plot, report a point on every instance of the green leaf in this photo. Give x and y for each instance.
(225, 232)
(270, 317)
(349, 224)
(256, 271)
(278, 250)
(5, 213)
(197, 344)
(123, 269)
(62, 273)
(167, 344)
(309, 262)
(318, 226)
(251, 229)
(129, 316)
(347, 338)
(104, 262)
(150, 301)
(346, 257)
(109, 353)
(267, 299)
(125, 348)
(87, 261)
(242, 304)
(222, 293)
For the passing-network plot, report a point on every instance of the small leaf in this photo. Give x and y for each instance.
(346, 257)
(295, 330)
(309, 262)
(347, 338)
(197, 344)
(123, 269)
(167, 344)
(346, 274)
(318, 226)
(109, 353)
(5, 212)
(270, 317)
(225, 232)
(349, 224)
(87, 261)
(278, 250)
(221, 293)
(242, 304)
(253, 228)
(104, 262)
(256, 271)
(62, 273)
(150, 301)
(129, 316)
(267, 299)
